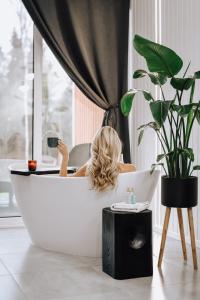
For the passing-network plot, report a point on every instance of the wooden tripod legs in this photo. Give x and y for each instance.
(182, 234)
(192, 236)
(164, 235)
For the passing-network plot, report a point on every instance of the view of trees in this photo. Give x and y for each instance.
(16, 94)
(16, 87)
(57, 103)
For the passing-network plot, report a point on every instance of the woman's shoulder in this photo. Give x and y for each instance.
(123, 168)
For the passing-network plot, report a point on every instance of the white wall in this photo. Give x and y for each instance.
(174, 23)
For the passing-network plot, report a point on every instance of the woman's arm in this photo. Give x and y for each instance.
(125, 168)
(62, 148)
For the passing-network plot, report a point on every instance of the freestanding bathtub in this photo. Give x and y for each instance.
(64, 214)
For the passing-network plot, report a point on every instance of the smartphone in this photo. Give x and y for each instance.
(52, 142)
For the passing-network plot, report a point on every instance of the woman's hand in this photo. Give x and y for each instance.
(62, 148)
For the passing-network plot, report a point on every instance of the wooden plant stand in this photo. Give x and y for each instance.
(181, 228)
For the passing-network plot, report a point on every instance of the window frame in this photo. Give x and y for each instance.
(37, 95)
(37, 136)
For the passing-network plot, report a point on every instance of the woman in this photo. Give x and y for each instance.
(104, 166)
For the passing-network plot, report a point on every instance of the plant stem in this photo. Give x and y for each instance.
(190, 115)
(178, 97)
(166, 139)
(170, 122)
(190, 128)
(192, 92)
(163, 139)
(184, 159)
(179, 131)
(164, 131)
(189, 166)
(178, 136)
(170, 163)
(168, 166)
(186, 69)
(164, 169)
(183, 127)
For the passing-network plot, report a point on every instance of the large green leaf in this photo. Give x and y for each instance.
(197, 167)
(142, 128)
(156, 78)
(187, 152)
(160, 110)
(194, 111)
(153, 166)
(147, 95)
(170, 154)
(160, 157)
(127, 100)
(197, 75)
(159, 58)
(152, 125)
(139, 73)
(182, 110)
(181, 83)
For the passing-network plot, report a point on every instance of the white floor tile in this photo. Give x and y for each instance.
(55, 285)
(14, 240)
(9, 289)
(31, 273)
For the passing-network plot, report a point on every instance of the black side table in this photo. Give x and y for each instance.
(127, 244)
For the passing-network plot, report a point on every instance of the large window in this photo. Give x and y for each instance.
(16, 65)
(59, 109)
(16, 76)
(56, 104)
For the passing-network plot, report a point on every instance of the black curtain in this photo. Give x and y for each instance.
(90, 40)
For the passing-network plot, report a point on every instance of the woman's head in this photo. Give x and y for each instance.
(105, 153)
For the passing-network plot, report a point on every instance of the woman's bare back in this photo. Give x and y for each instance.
(123, 168)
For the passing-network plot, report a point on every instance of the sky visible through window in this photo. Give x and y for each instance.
(13, 18)
(16, 67)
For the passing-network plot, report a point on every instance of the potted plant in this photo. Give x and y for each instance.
(173, 120)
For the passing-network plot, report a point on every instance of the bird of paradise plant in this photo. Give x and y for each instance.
(163, 66)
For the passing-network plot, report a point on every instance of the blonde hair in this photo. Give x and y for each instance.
(103, 168)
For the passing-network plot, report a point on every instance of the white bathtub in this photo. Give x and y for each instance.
(64, 214)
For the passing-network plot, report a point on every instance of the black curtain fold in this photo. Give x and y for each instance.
(90, 40)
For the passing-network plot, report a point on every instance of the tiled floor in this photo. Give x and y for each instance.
(8, 207)
(30, 273)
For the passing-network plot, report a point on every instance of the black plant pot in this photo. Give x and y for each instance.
(179, 192)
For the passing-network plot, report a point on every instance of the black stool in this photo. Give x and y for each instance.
(127, 244)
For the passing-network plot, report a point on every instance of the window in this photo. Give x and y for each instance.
(56, 104)
(16, 64)
(60, 109)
